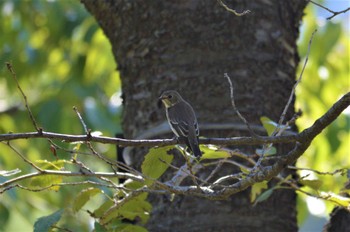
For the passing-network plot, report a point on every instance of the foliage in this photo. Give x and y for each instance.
(325, 79)
(44, 224)
(62, 59)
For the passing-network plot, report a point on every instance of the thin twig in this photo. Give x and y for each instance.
(82, 166)
(236, 176)
(233, 11)
(112, 163)
(240, 154)
(291, 96)
(119, 204)
(121, 175)
(14, 76)
(101, 157)
(236, 109)
(296, 187)
(94, 152)
(342, 171)
(24, 158)
(69, 138)
(78, 183)
(239, 165)
(189, 161)
(183, 172)
(335, 13)
(81, 119)
(215, 170)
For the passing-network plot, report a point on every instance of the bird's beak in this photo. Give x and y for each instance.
(162, 98)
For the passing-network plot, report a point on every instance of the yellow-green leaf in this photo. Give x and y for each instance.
(131, 184)
(137, 207)
(268, 124)
(213, 152)
(156, 163)
(45, 181)
(340, 200)
(83, 197)
(103, 208)
(256, 190)
(314, 184)
(244, 170)
(52, 165)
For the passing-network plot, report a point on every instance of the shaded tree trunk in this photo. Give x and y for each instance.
(187, 46)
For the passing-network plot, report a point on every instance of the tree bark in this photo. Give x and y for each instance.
(188, 46)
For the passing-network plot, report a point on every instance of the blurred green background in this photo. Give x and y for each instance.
(62, 59)
(326, 78)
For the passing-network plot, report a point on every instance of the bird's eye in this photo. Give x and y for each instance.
(170, 96)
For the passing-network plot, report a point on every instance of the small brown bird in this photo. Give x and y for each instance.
(182, 119)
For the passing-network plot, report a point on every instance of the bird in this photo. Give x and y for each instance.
(182, 120)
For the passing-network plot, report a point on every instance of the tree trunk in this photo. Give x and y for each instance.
(188, 46)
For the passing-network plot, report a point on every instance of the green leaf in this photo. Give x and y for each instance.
(83, 197)
(155, 163)
(268, 124)
(244, 170)
(335, 198)
(44, 224)
(264, 196)
(271, 150)
(39, 182)
(52, 165)
(314, 184)
(213, 152)
(100, 211)
(99, 228)
(131, 184)
(257, 189)
(136, 207)
(131, 228)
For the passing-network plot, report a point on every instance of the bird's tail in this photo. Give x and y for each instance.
(196, 151)
(193, 145)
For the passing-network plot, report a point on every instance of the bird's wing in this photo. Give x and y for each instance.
(182, 118)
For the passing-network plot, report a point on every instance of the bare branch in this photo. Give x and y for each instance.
(283, 115)
(14, 76)
(342, 171)
(236, 109)
(121, 175)
(312, 131)
(23, 158)
(81, 120)
(265, 173)
(268, 172)
(206, 190)
(233, 11)
(68, 138)
(335, 13)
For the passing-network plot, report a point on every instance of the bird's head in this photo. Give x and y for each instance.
(170, 98)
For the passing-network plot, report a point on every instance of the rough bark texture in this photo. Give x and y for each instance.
(187, 45)
(339, 221)
(340, 218)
